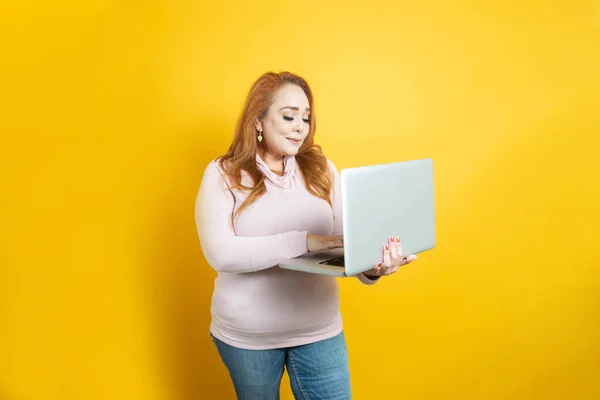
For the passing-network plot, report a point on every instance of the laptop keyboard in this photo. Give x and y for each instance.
(336, 262)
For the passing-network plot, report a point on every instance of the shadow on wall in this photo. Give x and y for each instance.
(182, 285)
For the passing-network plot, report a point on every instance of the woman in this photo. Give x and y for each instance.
(274, 196)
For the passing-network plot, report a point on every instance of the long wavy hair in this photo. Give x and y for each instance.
(241, 155)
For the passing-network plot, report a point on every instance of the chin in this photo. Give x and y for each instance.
(288, 149)
(291, 152)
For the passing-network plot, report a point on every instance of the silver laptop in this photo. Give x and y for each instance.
(378, 201)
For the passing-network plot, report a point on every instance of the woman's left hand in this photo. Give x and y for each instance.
(393, 258)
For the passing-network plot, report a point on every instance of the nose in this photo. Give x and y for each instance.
(299, 126)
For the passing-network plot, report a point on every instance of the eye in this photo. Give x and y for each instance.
(306, 120)
(288, 118)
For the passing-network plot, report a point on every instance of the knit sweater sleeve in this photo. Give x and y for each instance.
(222, 248)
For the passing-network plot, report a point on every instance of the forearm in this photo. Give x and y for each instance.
(239, 254)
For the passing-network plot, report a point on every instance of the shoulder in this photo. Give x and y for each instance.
(213, 173)
(332, 168)
(213, 168)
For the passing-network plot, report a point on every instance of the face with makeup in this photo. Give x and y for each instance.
(285, 125)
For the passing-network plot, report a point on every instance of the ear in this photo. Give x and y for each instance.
(258, 125)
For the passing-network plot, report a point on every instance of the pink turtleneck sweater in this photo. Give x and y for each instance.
(255, 303)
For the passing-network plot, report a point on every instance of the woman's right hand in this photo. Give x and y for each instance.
(318, 243)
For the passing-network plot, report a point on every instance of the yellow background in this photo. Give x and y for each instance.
(110, 110)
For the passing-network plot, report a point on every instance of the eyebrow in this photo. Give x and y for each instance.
(293, 108)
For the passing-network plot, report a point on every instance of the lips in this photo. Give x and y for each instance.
(295, 141)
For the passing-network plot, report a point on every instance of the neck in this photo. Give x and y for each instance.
(274, 162)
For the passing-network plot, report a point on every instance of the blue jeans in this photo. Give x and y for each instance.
(317, 371)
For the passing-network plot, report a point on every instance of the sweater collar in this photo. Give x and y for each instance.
(289, 172)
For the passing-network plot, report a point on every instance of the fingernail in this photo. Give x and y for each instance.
(387, 247)
(397, 239)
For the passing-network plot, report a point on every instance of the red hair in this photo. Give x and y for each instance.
(242, 151)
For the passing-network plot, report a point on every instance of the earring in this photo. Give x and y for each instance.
(259, 136)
